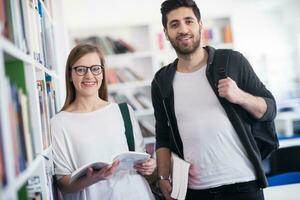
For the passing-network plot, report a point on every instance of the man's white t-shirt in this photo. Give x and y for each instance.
(81, 138)
(209, 140)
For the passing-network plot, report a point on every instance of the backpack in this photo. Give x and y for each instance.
(264, 133)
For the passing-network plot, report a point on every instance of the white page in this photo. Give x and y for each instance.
(180, 177)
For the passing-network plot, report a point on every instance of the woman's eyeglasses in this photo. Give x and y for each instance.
(82, 70)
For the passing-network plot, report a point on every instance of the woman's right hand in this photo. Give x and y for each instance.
(166, 189)
(104, 174)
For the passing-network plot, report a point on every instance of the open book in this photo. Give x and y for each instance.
(180, 175)
(127, 161)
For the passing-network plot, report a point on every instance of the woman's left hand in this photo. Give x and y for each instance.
(147, 167)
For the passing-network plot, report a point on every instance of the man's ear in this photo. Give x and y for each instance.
(201, 25)
(166, 34)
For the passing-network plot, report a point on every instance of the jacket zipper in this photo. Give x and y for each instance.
(169, 121)
(172, 132)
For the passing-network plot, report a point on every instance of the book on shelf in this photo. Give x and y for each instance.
(112, 77)
(3, 27)
(26, 126)
(44, 113)
(120, 98)
(127, 46)
(143, 100)
(107, 44)
(217, 34)
(19, 115)
(180, 174)
(133, 101)
(34, 188)
(52, 104)
(15, 24)
(23, 193)
(227, 34)
(148, 129)
(127, 161)
(132, 74)
(122, 75)
(18, 129)
(137, 101)
(116, 47)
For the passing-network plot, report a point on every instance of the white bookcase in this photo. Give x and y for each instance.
(29, 96)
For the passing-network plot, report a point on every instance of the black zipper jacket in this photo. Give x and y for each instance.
(239, 69)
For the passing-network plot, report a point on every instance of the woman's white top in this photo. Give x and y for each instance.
(209, 140)
(81, 138)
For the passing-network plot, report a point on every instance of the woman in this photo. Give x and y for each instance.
(90, 129)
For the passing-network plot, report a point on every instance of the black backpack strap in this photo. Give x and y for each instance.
(222, 57)
(128, 126)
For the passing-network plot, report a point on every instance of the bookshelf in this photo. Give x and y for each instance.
(28, 97)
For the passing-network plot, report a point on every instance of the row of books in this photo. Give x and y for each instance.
(137, 100)
(108, 45)
(20, 126)
(121, 75)
(20, 116)
(48, 108)
(33, 190)
(26, 24)
(216, 35)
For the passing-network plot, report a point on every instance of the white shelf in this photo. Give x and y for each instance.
(6, 193)
(148, 140)
(284, 122)
(223, 45)
(15, 52)
(22, 178)
(139, 113)
(134, 55)
(128, 85)
(286, 192)
(289, 142)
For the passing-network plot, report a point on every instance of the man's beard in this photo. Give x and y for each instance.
(185, 50)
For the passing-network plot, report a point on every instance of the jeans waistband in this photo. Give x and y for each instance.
(227, 188)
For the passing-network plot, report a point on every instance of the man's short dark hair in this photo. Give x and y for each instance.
(169, 5)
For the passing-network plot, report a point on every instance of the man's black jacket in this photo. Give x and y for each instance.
(252, 132)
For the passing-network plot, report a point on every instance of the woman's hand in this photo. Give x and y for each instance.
(92, 177)
(103, 174)
(147, 167)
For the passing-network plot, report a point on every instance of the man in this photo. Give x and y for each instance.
(209, 120)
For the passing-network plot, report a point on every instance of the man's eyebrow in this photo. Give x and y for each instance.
(174, 20)
(186, 18)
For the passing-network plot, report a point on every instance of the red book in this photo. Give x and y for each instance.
(3, 23)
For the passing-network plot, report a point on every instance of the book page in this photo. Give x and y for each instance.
(82, 171)
(128, 159)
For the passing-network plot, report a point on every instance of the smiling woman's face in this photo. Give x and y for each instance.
(88, 84)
